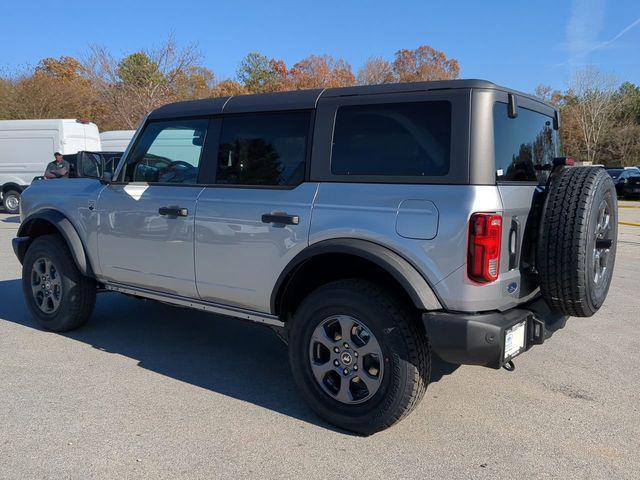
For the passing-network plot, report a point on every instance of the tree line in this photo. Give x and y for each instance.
(601, 119)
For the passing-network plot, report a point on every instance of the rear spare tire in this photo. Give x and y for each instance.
(577, 240)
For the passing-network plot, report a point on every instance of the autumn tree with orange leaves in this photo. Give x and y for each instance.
(419, 65)
(424, 64)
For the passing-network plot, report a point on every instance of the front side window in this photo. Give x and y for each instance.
(522, 143)
(396, 139)
(267, 149)
(168, 152)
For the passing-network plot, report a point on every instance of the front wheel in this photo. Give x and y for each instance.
(359, 357)
(58, 296)
(11, 201)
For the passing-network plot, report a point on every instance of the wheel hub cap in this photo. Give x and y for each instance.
(12, 203)
(602, 245)
(46, 285)
(346, 359)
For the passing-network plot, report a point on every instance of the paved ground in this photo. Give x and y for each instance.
(150, 391)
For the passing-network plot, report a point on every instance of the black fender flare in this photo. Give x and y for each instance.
(416, 286)
(65, 228)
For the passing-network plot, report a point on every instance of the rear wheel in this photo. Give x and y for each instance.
(358, 356)
(577, 244)
(58, 296)
(11, 201)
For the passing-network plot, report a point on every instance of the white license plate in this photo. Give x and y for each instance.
(514, 340)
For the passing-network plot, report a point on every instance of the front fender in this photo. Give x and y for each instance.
(32, 227)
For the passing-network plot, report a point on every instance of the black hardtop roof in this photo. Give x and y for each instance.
(308, 99)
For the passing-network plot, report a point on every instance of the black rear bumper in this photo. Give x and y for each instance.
(479, 339)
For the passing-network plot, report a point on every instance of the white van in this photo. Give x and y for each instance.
(116, 140)
(27, 146)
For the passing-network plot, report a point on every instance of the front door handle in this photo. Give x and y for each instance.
(280, 218)
(173, 211)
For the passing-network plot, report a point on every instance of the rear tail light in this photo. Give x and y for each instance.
(483, 255)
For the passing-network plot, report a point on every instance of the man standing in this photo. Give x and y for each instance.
(59, 168)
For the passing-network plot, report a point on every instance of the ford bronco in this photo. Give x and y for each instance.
(373, 227)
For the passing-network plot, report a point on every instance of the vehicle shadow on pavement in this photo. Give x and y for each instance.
(228, 356)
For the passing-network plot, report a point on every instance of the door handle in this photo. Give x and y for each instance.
(173, 211)
(280, 218)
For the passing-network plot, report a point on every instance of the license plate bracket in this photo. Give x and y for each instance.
(515, 340)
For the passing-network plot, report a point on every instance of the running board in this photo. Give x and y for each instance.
(236, 312)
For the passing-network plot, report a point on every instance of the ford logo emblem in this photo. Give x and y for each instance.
(512, 288)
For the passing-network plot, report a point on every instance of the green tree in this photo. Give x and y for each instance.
(138, 70)
(258, 74)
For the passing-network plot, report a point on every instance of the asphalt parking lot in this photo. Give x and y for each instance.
(146, 390)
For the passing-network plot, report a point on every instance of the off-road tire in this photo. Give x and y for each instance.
(404, 345)
(78, 291)
(7, 203)
(567, 240)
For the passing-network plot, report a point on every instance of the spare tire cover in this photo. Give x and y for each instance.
(577, 240)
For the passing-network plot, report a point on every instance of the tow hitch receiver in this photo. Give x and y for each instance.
(536, 331)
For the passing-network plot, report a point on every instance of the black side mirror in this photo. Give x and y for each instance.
(512, 106)
(107, 177)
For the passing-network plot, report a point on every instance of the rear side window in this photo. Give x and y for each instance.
(267, 149)
(522, 143)
(396, 139)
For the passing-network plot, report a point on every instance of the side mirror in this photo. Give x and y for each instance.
(107, 177)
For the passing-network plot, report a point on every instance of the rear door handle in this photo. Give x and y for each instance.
(173, 211)
(280, 218)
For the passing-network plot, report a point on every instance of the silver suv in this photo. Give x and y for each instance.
(371, 227)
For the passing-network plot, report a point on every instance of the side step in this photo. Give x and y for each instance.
(219, 309)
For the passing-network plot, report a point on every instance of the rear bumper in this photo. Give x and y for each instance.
(479, 339)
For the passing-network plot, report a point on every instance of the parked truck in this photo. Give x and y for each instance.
(27, 146)
(116, 140)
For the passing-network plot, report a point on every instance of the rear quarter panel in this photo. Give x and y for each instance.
(370, 212)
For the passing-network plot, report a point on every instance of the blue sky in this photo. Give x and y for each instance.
(516, 43)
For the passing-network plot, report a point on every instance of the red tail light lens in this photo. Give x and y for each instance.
(483, 256)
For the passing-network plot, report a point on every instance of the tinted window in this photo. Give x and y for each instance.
(263, 149)
(615, 173)
(395, 139)
(91, 165)
(168, 152)
(73, 161)
(521, 143)
(95, 164)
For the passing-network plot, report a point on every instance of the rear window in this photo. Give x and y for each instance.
(522, 143)
(396, 139)
(614, 173)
